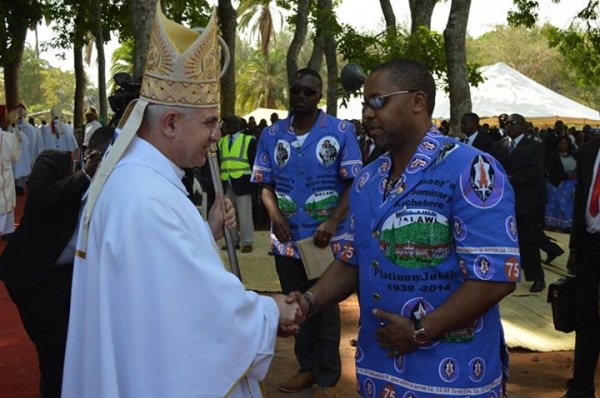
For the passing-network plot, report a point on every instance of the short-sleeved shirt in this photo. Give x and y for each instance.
(449, 218)
(308, 177)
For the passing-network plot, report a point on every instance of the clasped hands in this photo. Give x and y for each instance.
(395, 334)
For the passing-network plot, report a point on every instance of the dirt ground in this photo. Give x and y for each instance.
(532, 374)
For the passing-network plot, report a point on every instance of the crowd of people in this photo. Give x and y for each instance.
(120, 283)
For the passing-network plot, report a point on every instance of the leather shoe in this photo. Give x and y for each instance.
(537, 286)
(555, 253)
(246, 248)
(298, 382)
(224, 247)
(325, 392)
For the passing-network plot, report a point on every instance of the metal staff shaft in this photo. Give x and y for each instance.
(215, 174)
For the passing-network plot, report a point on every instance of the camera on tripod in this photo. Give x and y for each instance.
(128, 90)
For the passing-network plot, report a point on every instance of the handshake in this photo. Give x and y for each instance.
(293, 311)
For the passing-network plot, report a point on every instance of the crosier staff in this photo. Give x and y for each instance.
(215, 174)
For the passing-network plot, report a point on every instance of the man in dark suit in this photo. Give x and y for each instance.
(584, 248)
(523, 160)
(37, 263)
(369, 150)
(469, 125)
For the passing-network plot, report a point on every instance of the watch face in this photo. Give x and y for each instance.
(421, 337)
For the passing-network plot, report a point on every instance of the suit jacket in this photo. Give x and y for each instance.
(484, 142)
(525, 170)
(375, 153)
(586, 157)
(49, 220)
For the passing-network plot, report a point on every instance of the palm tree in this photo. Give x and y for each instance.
(122, 61)
(256, 88)
(256, 15)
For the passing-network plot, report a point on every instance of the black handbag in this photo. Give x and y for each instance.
(561, 296)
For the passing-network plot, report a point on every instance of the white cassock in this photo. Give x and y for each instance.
(154, 314)
(22, 167)
(35, 139)
(64, 140)
(9, 153)
(90, 129)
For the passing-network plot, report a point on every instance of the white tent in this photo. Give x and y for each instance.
(507, 91)
(504, 91)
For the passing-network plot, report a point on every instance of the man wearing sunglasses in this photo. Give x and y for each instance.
(523, 159)
(306, 164)
(430, 273)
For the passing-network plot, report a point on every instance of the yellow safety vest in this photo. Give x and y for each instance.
(234, 160)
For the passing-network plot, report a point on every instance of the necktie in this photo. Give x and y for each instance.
(594, 201)
(366, 150)
(513, 145)
(465, 140)
(230, 141)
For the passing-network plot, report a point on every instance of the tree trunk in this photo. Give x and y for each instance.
(298, 40)
(228, 18)
(97, 24)
(456, 58)
(330, 49)
(80, 81)
(420, 13)
(316, 57)
(11, 68)
(388, 15)
(141, 13)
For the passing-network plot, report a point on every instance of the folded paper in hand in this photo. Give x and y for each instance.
(315, 259)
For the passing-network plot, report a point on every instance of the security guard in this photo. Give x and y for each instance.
(237, 152)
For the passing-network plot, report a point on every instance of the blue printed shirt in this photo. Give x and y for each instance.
(449, 218)
(308, 178)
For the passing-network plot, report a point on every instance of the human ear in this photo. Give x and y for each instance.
(419, 101)
(168, 123)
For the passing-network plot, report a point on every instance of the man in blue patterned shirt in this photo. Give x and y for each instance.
(305, 165)
(433, 246)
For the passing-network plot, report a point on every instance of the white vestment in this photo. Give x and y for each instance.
(90, 129)
(63, 141)
(9, 153)
(154, 314)
(22, 167)
(35, 139)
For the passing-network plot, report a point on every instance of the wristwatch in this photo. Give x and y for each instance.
(421, 335)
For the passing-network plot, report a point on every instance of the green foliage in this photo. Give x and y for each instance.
(43, 86)
(425, 46)
(15, 18)
(525, 15)
(257, 88)
(122, 62)
(579, 45)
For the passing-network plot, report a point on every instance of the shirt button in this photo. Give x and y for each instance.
(377, 297)
(376, 234)
(375, 264)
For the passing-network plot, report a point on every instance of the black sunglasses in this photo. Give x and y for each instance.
(306, 91)
(512, 122)
(377, 102)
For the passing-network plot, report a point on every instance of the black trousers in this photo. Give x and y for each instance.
(587, 332)
(44, 311)
(529, 247)
(317, 345)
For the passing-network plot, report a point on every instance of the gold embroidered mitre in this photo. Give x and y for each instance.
(183, 65)
(12, 117)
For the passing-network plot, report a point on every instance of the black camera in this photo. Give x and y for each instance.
(128, 90)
